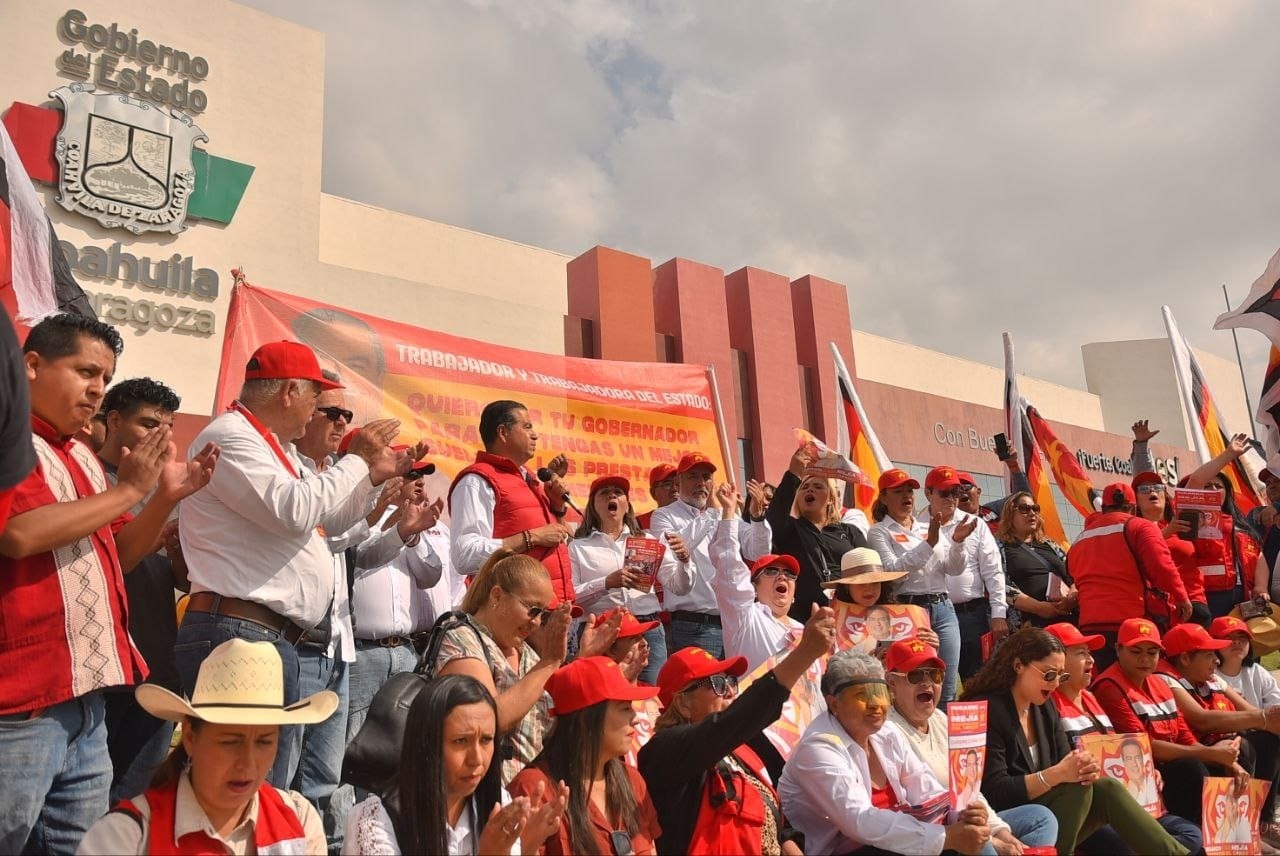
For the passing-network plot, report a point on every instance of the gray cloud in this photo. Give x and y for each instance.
(1054, 169)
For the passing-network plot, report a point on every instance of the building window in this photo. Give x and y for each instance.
(742, 392)
(746, 466)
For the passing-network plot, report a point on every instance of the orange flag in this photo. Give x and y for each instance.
(1072, 481)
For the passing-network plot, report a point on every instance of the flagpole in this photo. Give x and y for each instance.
(1239, 362)
(724, 434)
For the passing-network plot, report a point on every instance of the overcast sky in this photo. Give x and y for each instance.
(1054, 169)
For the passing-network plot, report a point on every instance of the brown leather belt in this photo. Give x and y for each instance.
(246, 610)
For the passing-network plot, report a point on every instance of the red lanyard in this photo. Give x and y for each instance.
(266, 435)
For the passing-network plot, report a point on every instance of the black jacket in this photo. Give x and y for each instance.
(1009, 758)
(817, 550)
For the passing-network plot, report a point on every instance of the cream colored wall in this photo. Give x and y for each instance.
(1135, 380)
(266, 108)
(897, 363)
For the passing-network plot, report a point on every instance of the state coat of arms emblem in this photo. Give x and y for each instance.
(124, 162)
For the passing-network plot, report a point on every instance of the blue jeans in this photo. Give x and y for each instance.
(1222, 602)
(55, 774)
(138, 743)
(657, 639)
(318, 753)
(1033, 825)
(201, 632)
(973, 624)
(373, 666)
(942, 618)
(693, 634)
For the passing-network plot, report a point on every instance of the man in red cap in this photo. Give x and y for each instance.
(695, 617)
(1137, 700)
(497, 503)
(978, 593)
(662, 487)
(1115, 561)
(254, 540)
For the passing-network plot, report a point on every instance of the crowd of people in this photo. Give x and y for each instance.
(190, 643)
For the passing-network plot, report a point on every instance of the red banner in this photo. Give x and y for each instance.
(608, 418)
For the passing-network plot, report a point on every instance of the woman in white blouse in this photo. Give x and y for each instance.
(601, 579)
(449, 797)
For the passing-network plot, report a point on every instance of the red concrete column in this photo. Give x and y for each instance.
(761, 325)
(689, 304)
(820, 308)
(612, 289)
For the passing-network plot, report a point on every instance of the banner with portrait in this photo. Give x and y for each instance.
(607, 417)
(804, 703)
(874, 628)
(966, 750)
(1230, 822)
(1127, 758)
(647, 713)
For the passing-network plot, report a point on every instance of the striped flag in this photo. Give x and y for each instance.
(30, 261)
(1023, 440)
(1071, 479)
(855, 438)
(1209, 435)
(1268, 415)
(1261, 307)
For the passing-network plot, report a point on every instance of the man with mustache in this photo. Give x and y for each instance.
(695, 617)
(978, 593)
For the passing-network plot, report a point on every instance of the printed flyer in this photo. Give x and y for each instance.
(1230, 820)
(967, 746)
(1127, 758)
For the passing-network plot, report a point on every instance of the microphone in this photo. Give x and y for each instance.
(544, 476)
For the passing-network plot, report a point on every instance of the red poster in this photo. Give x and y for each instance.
(1230, 820)
(967, 745)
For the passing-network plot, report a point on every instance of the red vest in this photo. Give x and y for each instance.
(1087, 717)
(278, 830)
(1106, 572)
(521, 506)
(731, 818)
(1216, 559)
(1210, 696)
(1152, 704)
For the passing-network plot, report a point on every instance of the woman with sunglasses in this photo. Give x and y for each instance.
(1153, 504)
(509, 600)
(711, 790)
(1029, 758)
(609, 810)
(1081, 713)
(914, 673)
(602, 581)
(1031, 561)
(806, 520)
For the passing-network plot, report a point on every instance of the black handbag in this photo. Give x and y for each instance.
(372, 759)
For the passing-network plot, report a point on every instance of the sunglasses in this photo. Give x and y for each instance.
(1027, 509)
(1051, 676)
(924, 673)
(721, 685)
(1150, 488)
(785, 573)
(333, 414)
(953, 492)
(620, 841)
(535, 612)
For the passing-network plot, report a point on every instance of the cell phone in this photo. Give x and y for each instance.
(1192, 519)
(1002, 446)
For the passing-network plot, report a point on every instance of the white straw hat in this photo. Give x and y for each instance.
(240, 683)
(862, 565)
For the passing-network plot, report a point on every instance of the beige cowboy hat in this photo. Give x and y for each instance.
(240, 683)
(862, 565)
(1264, 628)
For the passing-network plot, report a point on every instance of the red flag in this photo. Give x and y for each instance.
(1022, 440)
(1072, 481)
(856, 439)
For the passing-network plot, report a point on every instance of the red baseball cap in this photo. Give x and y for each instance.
(631, 626)
(694, 459)
(1145, 478)
(1136, 630)
(286, 360)
(591, 680)
(575, 611)
(345, 442)
(941, 478)
(660, 473)
(426, 466)
(890, 479)
(965, 478)
(1118, 493)
(1069, 635)
(907, 654)
(688, 665)
(610, 481)
(772, 559)
(1222, 628)
(1191, 637)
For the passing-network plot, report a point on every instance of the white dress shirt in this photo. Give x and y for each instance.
(391, 598)
(253, 531)
(597, 555)
(904, 548)
(446, 594)
(696, 528)
(983, 573)
(826, 792)
(750, 630)
(856, 518)
(471, 505)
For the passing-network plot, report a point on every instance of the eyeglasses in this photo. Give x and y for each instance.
(721, 685)
(1150, 488)
(1027, 508)
(333, 414)
(785, 573)
(534, 611)
(1051, 676)
(953, 492)
(919, 676)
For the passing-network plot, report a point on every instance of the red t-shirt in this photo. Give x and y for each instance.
(644, 840)
(63, 621)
